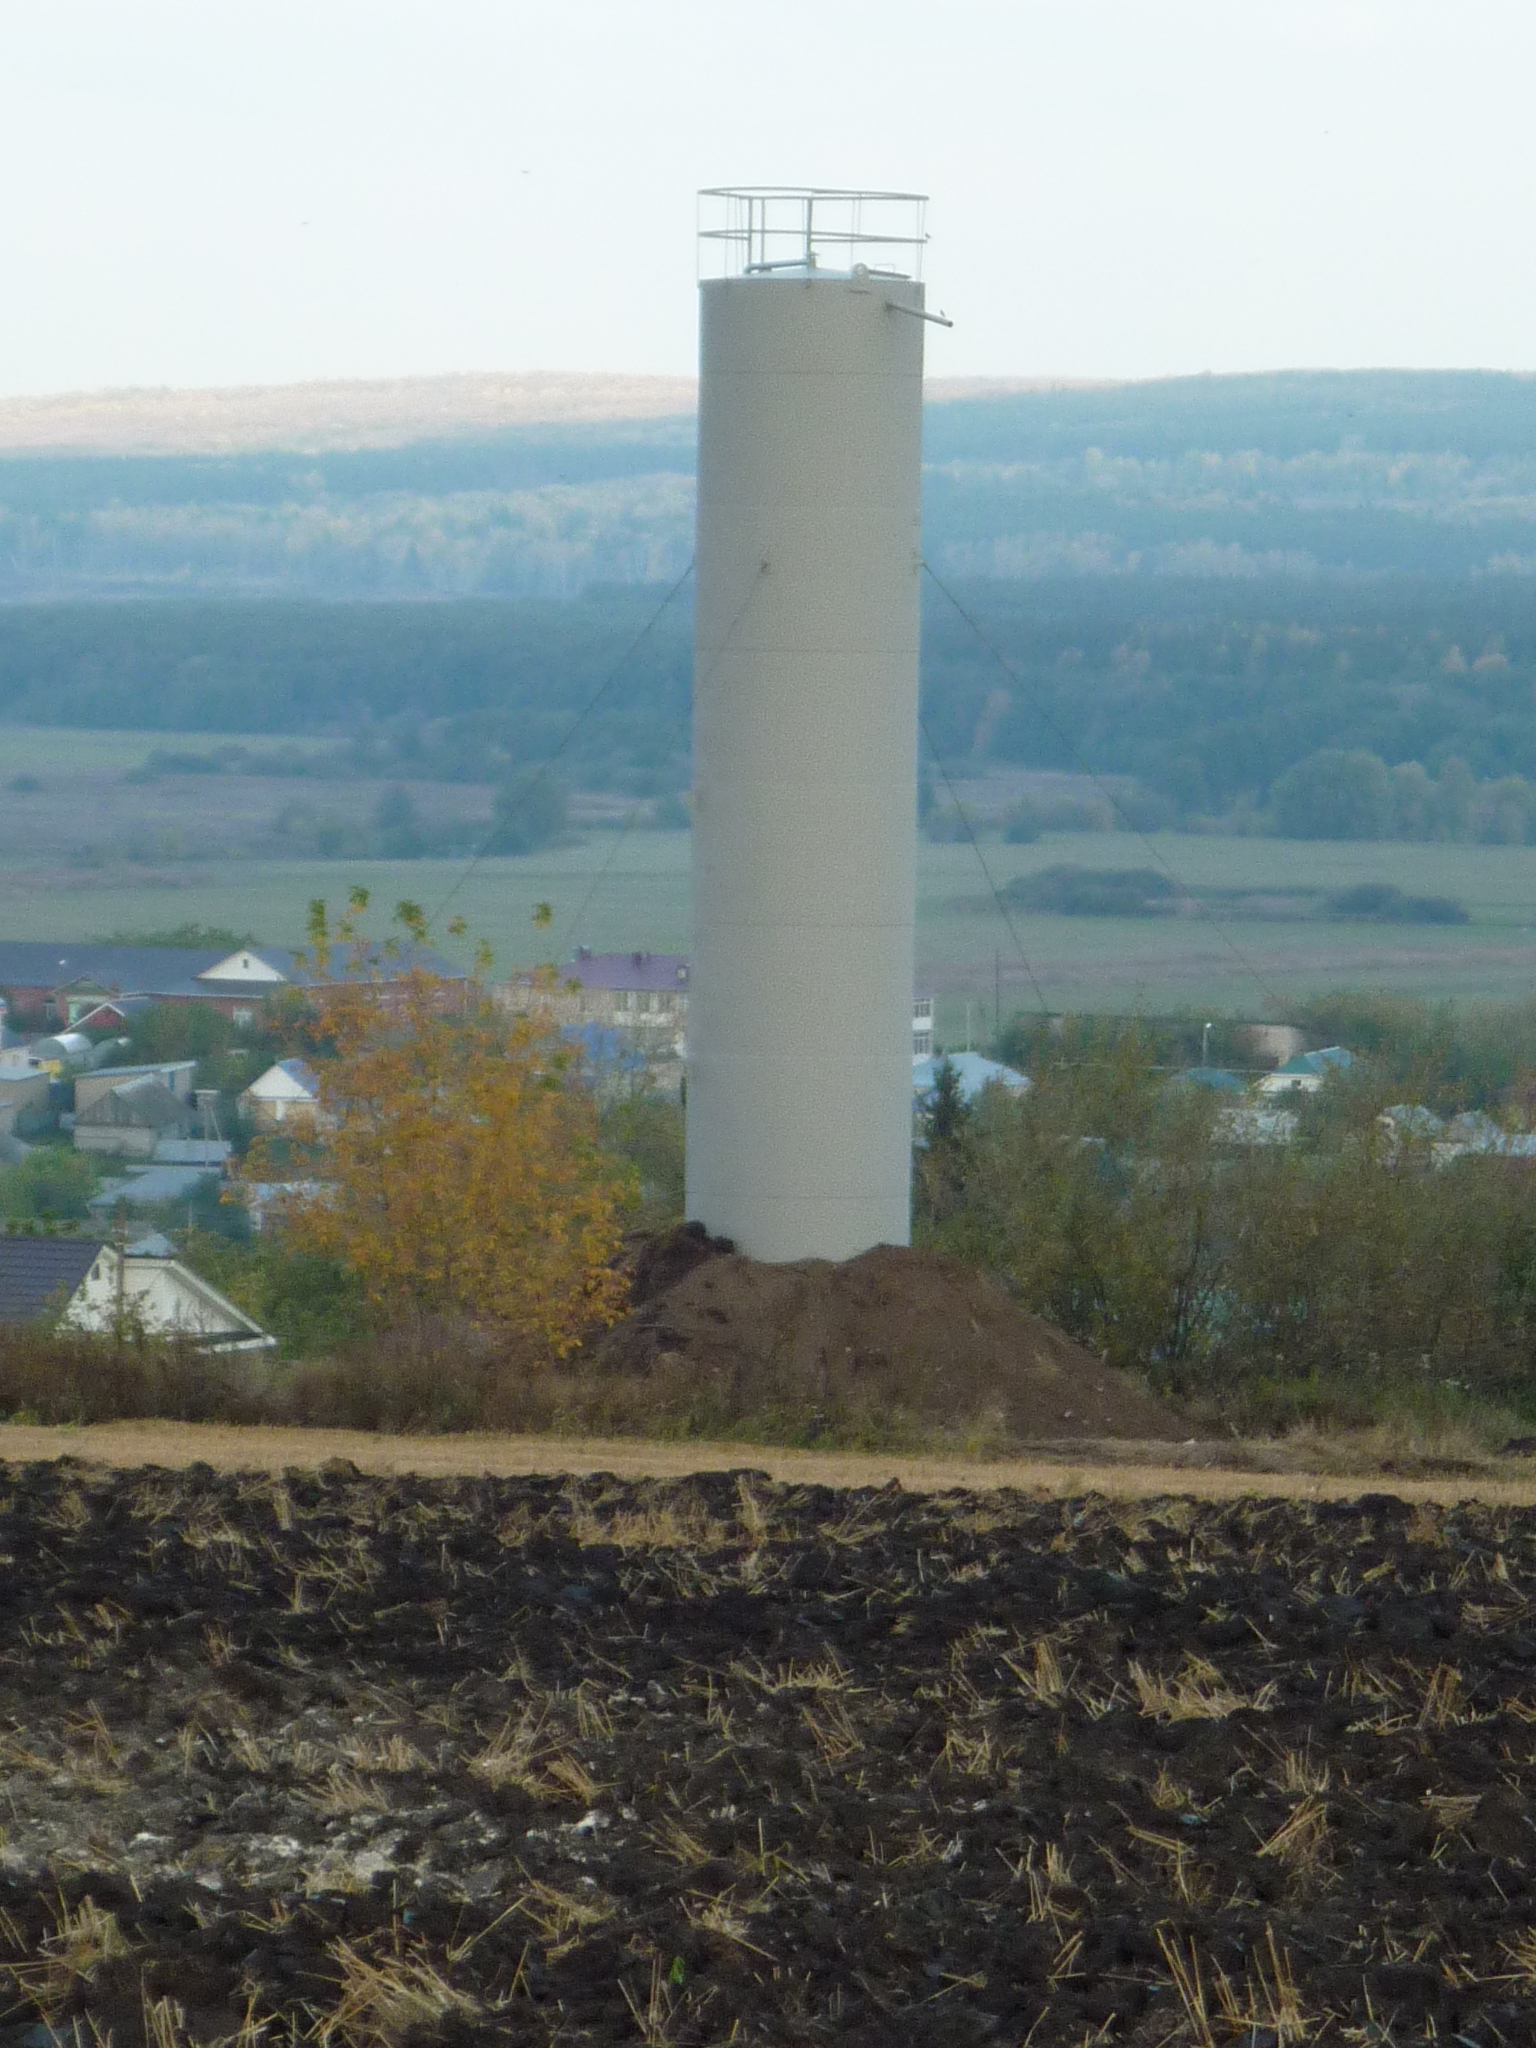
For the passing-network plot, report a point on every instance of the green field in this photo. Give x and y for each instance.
(616, 891)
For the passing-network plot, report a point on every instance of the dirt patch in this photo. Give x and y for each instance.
(359, 1760)
(891, 1330)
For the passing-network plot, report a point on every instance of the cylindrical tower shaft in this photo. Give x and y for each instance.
(805, 730)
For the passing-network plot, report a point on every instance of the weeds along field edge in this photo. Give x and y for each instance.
(1116, 1472)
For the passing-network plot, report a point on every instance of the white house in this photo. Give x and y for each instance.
(1306, 1073)
(922, 1027)
(90, 1285)
(287, 1093)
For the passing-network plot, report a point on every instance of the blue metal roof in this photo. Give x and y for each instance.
(973, 1071)
(154, 1185)
(1320, 1062)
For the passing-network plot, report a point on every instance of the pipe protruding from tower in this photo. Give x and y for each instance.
(805, 721)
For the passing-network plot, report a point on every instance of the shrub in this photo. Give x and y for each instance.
(50, 1182)
(1385, 903)
(1118, 1208)
(646, 1131)
(1094, 892)
(68, 1378)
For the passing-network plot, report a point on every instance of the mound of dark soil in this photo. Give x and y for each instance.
(894, 1329)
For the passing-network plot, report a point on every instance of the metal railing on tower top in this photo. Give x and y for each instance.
(747, 230)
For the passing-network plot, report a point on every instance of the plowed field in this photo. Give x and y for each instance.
(399, 1760)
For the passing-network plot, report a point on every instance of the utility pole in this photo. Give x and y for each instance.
(120, 1247)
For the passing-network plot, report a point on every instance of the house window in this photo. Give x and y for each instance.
(242, 1014)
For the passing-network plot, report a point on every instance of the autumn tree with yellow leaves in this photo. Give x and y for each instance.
(455, 1164)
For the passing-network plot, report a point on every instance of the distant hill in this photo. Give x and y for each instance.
(308, 418)
(384, 412)
(530, 486)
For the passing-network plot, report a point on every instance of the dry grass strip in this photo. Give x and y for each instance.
(228, 1448)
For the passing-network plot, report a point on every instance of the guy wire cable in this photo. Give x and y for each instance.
(566, 738)
(1259, 980)
(602, 874)
(997, 896)
(634, 811)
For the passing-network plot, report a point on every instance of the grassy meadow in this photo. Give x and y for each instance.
(90, 854)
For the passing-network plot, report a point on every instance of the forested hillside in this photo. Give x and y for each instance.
(1201, 583)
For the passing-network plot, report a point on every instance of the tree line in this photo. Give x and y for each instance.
(1210, 694)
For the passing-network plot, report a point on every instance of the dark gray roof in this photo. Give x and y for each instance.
(165, 970)
(124, 1006)
(138, 1105)
(40, 1273)
(173, 970)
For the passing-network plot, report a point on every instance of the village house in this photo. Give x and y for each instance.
(89, 1285)
(922, 1027)
(129, 1121)
(640, 993)
(1306, 1073)
(24, 1081)
(288, 1093)
(643, 993)
(175, 1075)
(64, 986)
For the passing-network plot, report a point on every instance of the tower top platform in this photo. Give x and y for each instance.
(760, 230)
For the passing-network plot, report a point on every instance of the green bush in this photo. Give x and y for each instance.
(646, 1129)
(309, 1305)
(1073, 891)
(51, 1182)
(1385, 903)
(1128, 1213)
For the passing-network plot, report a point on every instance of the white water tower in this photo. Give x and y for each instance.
(805, 720)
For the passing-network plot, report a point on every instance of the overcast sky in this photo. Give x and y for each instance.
(217, 192)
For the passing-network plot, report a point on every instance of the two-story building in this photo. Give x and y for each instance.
(643, 993)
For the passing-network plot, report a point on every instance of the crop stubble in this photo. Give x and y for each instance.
(364, 1759)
